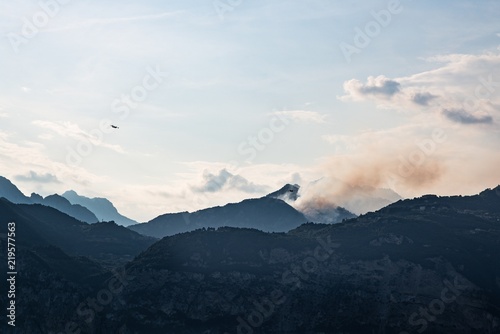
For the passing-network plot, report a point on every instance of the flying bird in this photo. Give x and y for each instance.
(114, 126)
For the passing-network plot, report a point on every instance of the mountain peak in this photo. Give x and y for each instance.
(36, 198)
(11, 192)
(287, 192)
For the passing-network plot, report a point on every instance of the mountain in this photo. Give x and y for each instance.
(50, 284)
(289, 192)
(89, 210)
(358, 199)
(317, 211)
(62, 204)
(101, 207)
(427, 264)
(365, 199)
(423, 265)
(105, 242)
(11, 192)
(326, 213)
(266, 214)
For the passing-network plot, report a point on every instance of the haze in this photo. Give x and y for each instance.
(216, 104)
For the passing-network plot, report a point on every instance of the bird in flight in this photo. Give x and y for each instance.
(114, 126)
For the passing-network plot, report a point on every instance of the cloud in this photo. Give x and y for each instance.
(423, 98)
(31, 155)
(302, 116)
(462, 84)
(380, 86)
(144, 201)
(3, 114)
(463, 117)
(39, 178)
(225, 180)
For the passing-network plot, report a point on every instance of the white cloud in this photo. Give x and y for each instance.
(224, 181)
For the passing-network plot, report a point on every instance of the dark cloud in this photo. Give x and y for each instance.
(384, 87)
(214, 183)
(463, 117)
(39, 178)
(423, 98)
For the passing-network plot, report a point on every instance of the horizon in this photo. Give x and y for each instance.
(301, 207)
(214, 105)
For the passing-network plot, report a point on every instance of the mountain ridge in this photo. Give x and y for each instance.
(12, 193)
(43, 225)
(267, 214)
(378, 270)
(89, 210)
(102, 207)
(373, 271)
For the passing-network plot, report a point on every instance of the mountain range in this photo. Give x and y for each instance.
(427, 264)
(89, 210)
(40, 225)
(269, 214)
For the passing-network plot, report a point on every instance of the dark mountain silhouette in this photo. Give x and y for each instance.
(428, 264)
(9, 191)
(266, 214)
(89, 210)
(49, 282)
(49, 286)
(101, 207)
(43, 225)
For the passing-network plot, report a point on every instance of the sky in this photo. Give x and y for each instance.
(218, 101)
